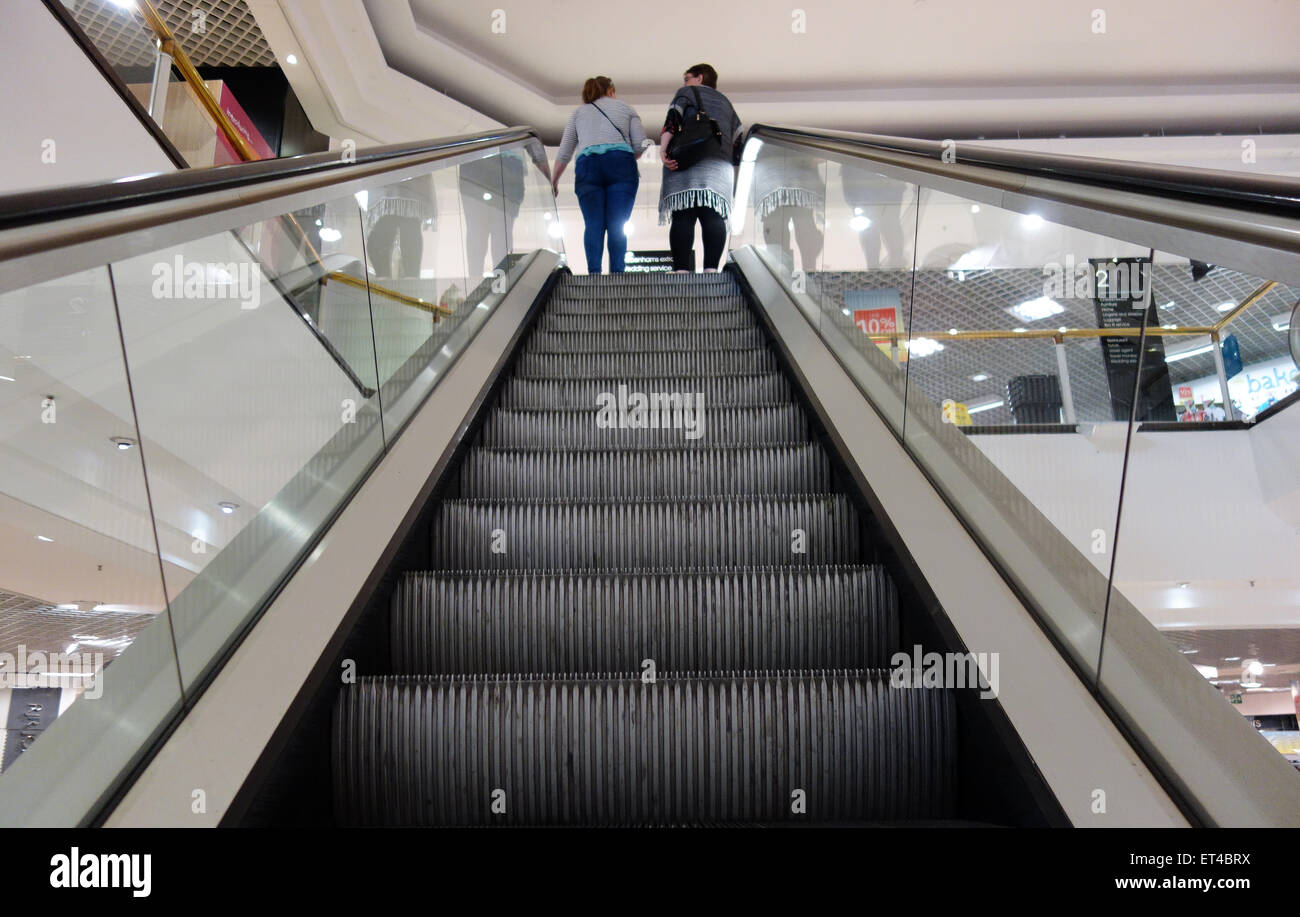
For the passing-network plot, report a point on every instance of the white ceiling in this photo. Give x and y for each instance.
(935, 68)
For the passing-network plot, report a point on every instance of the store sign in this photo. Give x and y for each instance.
(1185, 394)
(31, 710)
(1254, 388)
(878, 314)
(226, 153)
(645, 261)
(1119, 296)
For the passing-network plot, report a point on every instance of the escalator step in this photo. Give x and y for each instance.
(645, 321)
(639, 365)
(668, 305)
(764, 618)
(613, 284)
(724, 531)
(489, 474)
(643, 342)
(688, 749)
(699, 426)
(753, 389)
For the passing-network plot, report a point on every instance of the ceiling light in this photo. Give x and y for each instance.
(980, 377)
(1208, 671)
(987, 405)
(125, 4)
(859, 223)
(1170, 305)
(363, 197)
(1225, 307)
(1281, 322)
(1031, 310)
(487, 195)
(974, 208)
(1231, 658)
(923, 347)
(43, 538)
(1062, 329)
(1031, 221)
(291, 60)
(227, 507)
(122, 442)
(1183, 585)
(846, 311)
(330, 234)
(7, 379)
(1193, 351)
(1019, 330)
(952, 330)
(1189, 652)
(70, 648)
(1252, 667)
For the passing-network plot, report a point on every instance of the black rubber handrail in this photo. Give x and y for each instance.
(27, 208)
(1239, 190)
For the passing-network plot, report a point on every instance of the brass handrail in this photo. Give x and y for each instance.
(168, 44)
(1058, 335)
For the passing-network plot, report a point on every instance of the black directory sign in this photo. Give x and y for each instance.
(1119, 294)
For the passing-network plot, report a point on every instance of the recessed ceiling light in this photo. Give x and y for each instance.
(980, 377)
(1188, 652)
(1019, 330)
(227, 507)
(1031, 310)
(923, 347)
(291, 59)
(487, 196)
(43, 538)
(1231, 658)
(1225, 306)
(330, 234)
(1031, 221)
(974, 208)
(952, 330)
(1063, 329)
(122, 442)
(1183, 585)
(1170, 327)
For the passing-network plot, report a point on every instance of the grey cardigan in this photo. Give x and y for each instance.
(589, 127)
(710, 182)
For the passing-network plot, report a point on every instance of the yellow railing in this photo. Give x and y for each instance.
(1058, 335)
(168, 44)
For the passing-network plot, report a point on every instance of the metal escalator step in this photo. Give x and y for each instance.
(665, 305)
(657, 281)
(686, 749)
(674, 427)
(645, 321)
(492, 474)
(761, 618)
(643, 341)
(642, 365)
(799, 531)
(752, 388)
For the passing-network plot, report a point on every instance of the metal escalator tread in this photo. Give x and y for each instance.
(681, 425)
(722, 531)
(749, 618)
(638, 474)
(576, 544)
(611, 749)
(740, 388)
(645, 365)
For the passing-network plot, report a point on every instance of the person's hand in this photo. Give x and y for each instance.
(670, 164)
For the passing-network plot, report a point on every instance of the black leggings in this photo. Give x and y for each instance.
(681, 237)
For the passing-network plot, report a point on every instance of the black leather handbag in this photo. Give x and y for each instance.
(700, 137)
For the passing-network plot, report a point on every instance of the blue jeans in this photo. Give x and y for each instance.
(606, 185)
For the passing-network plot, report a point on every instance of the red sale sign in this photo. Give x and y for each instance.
(876, 322)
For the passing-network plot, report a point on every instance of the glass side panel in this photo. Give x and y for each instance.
(256, 423)
(995, 293)
(1208, 540)
(87, 664)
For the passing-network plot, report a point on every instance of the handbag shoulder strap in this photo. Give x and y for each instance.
(611, 121)
(699, 103)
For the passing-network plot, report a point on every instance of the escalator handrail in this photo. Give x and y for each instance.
(29, 208)
(1273, 194)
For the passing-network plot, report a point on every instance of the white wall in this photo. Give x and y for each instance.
(1211, 509)
(63, 123)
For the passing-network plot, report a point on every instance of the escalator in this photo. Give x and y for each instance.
(632, 625)
(637, 549)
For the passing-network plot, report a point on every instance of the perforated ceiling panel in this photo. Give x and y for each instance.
(38, 626)
(980, 301)
(214, 33)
